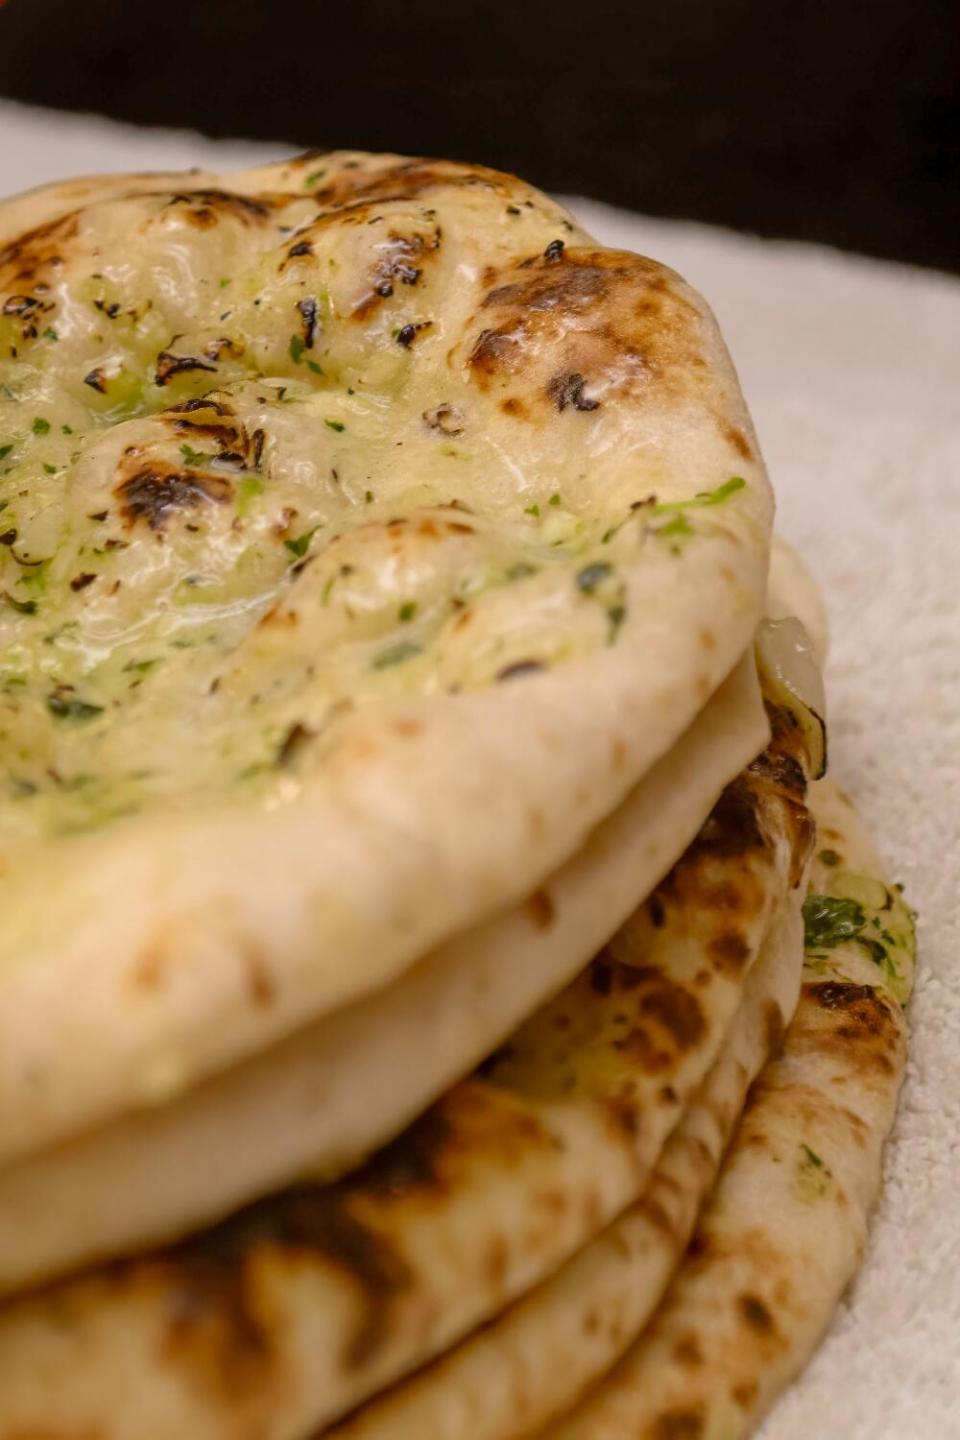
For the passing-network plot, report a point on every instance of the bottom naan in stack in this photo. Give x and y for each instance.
(786, 1228)
(280, 1321)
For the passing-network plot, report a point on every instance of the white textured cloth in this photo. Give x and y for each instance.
(852, 371)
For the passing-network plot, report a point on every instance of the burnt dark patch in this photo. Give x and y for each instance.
(446, 418)
(309, 315)
(733, 826)
(302, 247)
(293, 744)
(156, 492)
(541, 909)
(493, 350)
(656, 911)
(97, 380)
(774, 1029)
(205, 207)
(554, 252)
(756, 1314)
(216, 1310)
(678, 1012)
(407, 334)
(568, 389)
(400, 262)
(519, 668)
(837, 995)
(678, 1425)
(729, 951)
(170, 365)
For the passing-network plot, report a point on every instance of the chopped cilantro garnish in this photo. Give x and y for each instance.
(313, 177)
(5, 451)
(812, 1157)
(554, 498)
(367, 496)
(22, 607)
(312, 365)
(532, 510)
(67, 429)
(396, 654)
(520, 570)
(40, 426)
(195, 457)
(337, 425)
(593, 575)
(300, 545)
(297, 348)
(679, 525)
(616, 614)
(704, 497)
(139, 667)
(828, 857)
(829, 920)
(224, 282)
(49, 469)
(407, 610)
(247, 487)
(50, 333)
(70, 707)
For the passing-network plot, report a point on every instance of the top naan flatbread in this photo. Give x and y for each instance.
(370, 532)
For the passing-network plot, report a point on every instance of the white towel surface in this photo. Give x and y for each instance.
(852, 371)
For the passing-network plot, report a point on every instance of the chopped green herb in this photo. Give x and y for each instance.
(704, 497)
(367, 496)
(337, 425)
(66, 706)
(829, 920)
(520, 570)
(67, 429)
(22, 607)
(49, 469)
(224, 282)
(247, 488)
(407, 610)
(297, 348)
(300, 545)
(195, 457)
(40, 426)
(593, 575)
(554, 498)
(5, 451)
(139, 667)
(312, 365)
(396, 654)
(313, 177)
(828, 857)
(679, 525)
(50, 333)
(812, 1157)
(533, 510)
(616, 614)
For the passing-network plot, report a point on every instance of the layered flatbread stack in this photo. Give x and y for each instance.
(409, 822)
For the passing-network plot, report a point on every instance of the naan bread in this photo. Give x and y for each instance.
(373, 533)
(537, 1358)
(329, 1095)
(288, 1315)
(786, 1230)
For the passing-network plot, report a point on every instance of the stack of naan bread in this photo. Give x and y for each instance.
(411, 817)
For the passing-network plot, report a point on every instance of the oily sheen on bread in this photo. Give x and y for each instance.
(375, 533)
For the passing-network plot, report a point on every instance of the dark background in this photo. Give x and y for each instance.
(828, 121)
